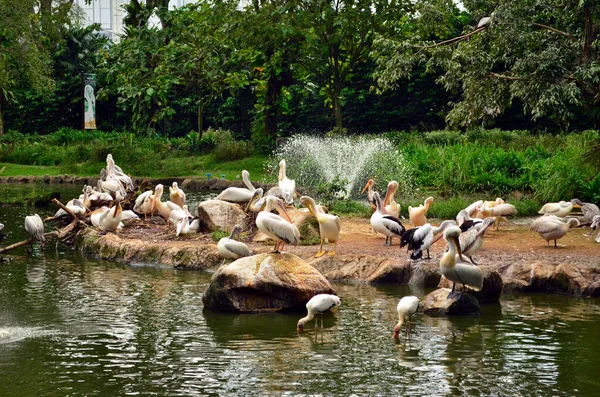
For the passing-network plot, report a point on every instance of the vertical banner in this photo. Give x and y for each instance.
(89, 101)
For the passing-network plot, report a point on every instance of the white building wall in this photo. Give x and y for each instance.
(110, 13)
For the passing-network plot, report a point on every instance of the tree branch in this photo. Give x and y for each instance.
(455, 39)
(502, 76)
(550, 28)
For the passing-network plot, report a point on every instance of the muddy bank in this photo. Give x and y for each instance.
(518, 261)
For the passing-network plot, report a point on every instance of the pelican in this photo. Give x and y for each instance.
(498, 211)
(465, 222)
(369, 188)
(594, 225)
(466, 274)
(143, 203)
(471, 241)
(177, 213)
(560, 209)
(1, 227)
(185, 227)
(589, 210)
(418, 215)
(420, 238)
(232, 248)
(115, 172)
(76, 207)
(177, 195)
(318, 304)
(238, 194)
(279, 228)
(256, 201)
(96, 215)
(407, 306)
(391, 206)
(128, 216)
(164, 209)
(550, 227)
(287, 186)
(385, 224)
(35, 226)
(329, 225)
(111, 219)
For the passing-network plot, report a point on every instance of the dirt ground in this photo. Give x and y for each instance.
(513, 242)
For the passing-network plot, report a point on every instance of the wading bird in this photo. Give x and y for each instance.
(550, 227)
(387, 225)
(421, 238)
(186, 227)
(406, 308)
(35, 227)
(318, 304)
(231, 247)
(329, 225)
(460, 272)
(111, 219)
(279, 228)
(418, 215)
(238, 194)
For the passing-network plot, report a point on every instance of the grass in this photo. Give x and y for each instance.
(7, 169)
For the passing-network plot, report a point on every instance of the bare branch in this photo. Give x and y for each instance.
(455, 39)
(550, 28)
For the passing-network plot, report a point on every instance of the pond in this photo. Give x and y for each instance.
(76, 326)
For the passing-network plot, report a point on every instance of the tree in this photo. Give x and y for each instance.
(24, 62)
(541, 53)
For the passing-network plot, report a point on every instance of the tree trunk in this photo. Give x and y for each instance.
(1, 115)
(588, 39)
(337, 111)
(274, 86)
(200, 119)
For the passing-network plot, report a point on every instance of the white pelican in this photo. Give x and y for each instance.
(128, 216)
(279, 228)
(115, 172)
(389, 204)
(177, 213)
(318, 304)
(96, 214)
(111, 219)
(589, 210)
(471, 241)
(113, 187)
(550, 227)
(465, 222)
(164, 209)
(387, 225)
(464, 273)
(420, 238)
(143, 203)
(232, 248)
(238, 194)
(1, 227)
(418, 215)
(560, 209)
(498, 211)
(185, 227)
(76, 207)
(369, 188)
(177, 195)
(407, 306)
(287, 186)
(256, 201)
(35, 226)
(329, 225)
(594, 226)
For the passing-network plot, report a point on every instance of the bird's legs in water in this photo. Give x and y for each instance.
(321, 250)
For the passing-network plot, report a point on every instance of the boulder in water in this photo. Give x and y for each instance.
(437, 303)
(491, 290)
(265, 283)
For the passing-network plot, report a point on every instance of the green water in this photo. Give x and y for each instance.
(79, 327)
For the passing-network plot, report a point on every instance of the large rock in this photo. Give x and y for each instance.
(220, 215)
(306, 223)
(265, 283)
(492, 286)
(437, 303)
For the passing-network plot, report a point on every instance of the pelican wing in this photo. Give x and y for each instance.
(471, 275)
(235, 195)
(473, 207)
(140, 200)
(338, 223)
(281, 228)
(237, 247)
(393, 224)
(467, 239)
(502, 210)
(546, 224)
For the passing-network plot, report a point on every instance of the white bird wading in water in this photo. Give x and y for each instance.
(318, 304)
(407, 306)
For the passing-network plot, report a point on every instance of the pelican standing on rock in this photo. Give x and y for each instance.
(329, 225)
(238, 194)
(287, 186)
(318, 304)
(466, 274)
(279, 228)
(35, 226)
(231, 247)
(387, 225)
(550, 227)
(560, 209)
(420, 238)
(418, 215)
(406, 308)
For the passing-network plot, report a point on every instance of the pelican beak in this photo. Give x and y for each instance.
(282, 211)
(252, 200)
(263, 206)
(369, 183)
(458, 249)
(576, 206)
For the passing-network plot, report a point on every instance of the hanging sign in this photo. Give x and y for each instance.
(89, 101)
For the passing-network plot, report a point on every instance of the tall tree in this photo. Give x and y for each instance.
(24, 61)
(542, 53)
